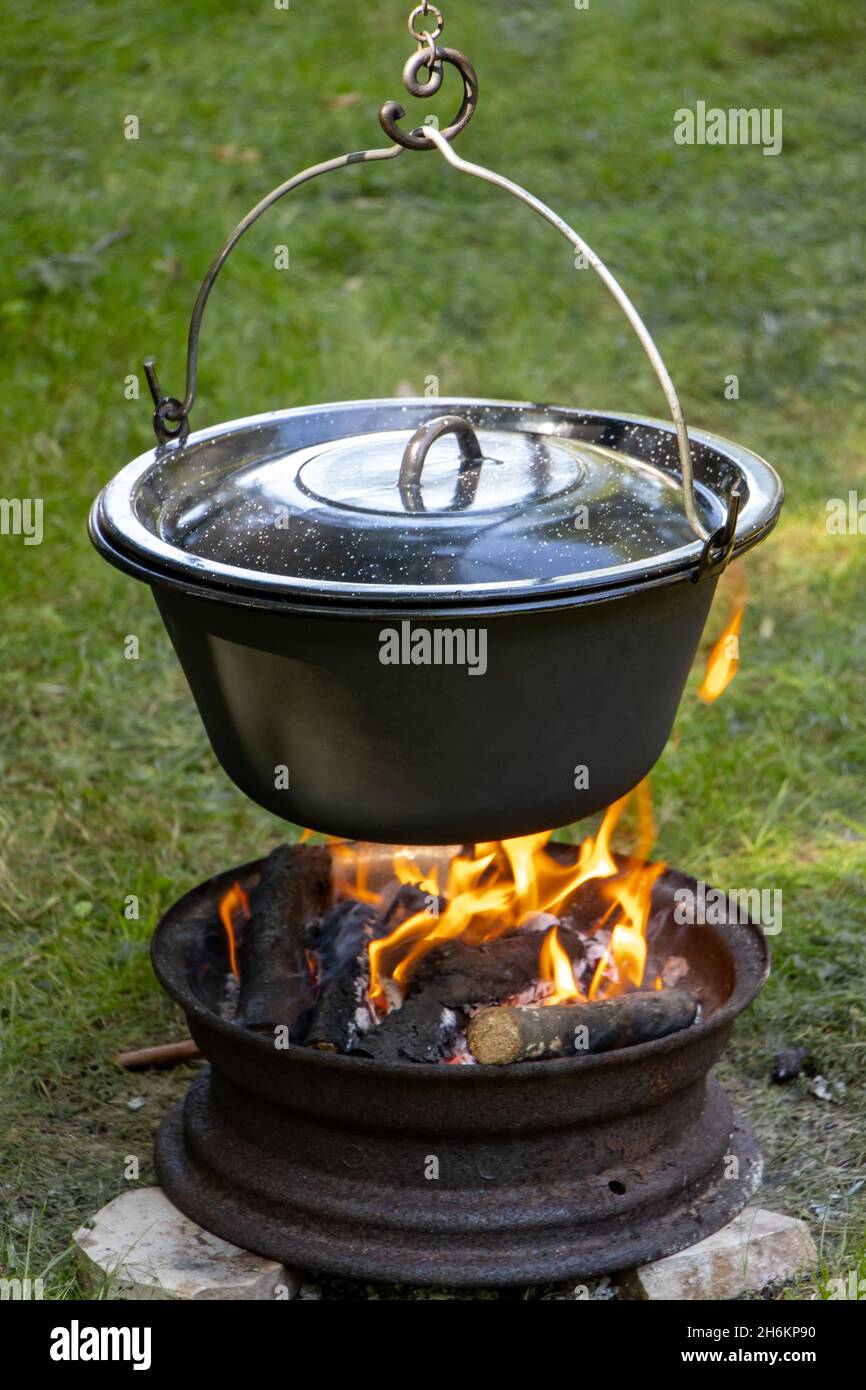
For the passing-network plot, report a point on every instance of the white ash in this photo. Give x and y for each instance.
(595, 949)
(540, 922)
(364, 1017)
(228, 1005)
(461, 1056)
(536, 993)
(393, 994)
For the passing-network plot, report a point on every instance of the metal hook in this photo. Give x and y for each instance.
(166, 408)
(719, 546)
(392, 111)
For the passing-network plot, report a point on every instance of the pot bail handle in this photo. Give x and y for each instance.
(171, 415)
(415, 454)
(717, 545)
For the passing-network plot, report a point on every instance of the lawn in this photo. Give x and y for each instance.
(741, 264)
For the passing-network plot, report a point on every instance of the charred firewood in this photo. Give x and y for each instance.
(342, 1014)
(275, 985)
(459, 975)
(423, 1030)
(407, 902)
(337, 939)
(499, 1036)
(448, 979)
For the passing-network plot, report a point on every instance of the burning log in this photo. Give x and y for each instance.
(422, 1030)
(293, 890)
(342, 1013)
(458, 974)
(499, 1036)
(340, 936)
(450, 978)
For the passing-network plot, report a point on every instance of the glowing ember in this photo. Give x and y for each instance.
(724, 660)
(234, 905)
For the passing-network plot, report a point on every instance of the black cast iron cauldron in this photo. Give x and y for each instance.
(434, 621)
(581, 673)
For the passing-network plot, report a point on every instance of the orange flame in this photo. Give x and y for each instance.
(624, 962)
(496, 887)
(724, 660)
(554, 965)
(232, 904)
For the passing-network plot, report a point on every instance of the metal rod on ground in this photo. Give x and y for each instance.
(164, 1055)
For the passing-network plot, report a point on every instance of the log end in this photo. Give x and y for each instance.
(494, 1037)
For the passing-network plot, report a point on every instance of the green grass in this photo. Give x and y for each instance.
(740, 264)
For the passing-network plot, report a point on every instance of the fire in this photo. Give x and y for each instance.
(233, 904)
(475, 909)
(486, 890)
(624, 961)
(724, 660)
(556, 966)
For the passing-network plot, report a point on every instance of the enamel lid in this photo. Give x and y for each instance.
(321, 503)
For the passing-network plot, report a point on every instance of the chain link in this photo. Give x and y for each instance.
(421, 11)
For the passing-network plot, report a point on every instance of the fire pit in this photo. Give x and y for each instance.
(467, 1174)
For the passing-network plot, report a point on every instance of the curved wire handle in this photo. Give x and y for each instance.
(169, 407)
(612, 284)
(718, 544)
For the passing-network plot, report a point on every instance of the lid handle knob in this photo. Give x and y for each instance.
(471, 459)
